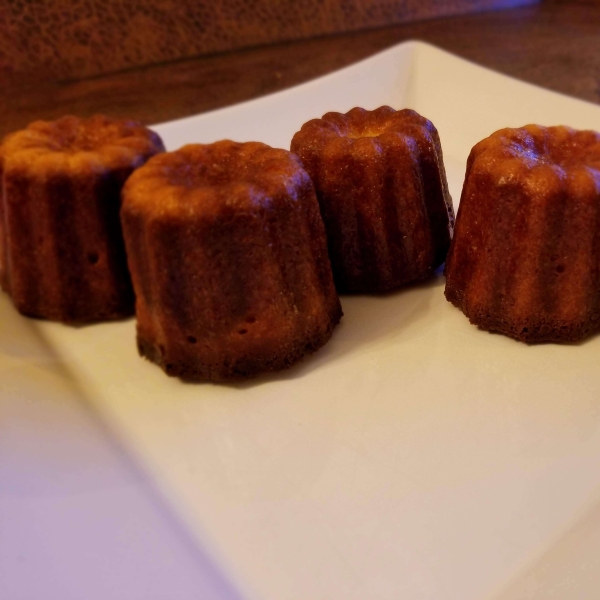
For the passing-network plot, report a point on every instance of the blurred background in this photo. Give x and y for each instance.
(157, 60)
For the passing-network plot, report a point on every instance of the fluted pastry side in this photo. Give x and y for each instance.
(229, 262)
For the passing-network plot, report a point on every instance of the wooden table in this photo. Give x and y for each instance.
(555, 44)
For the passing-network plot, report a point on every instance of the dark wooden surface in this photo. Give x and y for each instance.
(555, 44)
(83, 38)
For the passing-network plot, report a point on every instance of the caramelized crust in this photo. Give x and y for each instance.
(62, 255)
(229, 262)
(524, 259)
(381, 185)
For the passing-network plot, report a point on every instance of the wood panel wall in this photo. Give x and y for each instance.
(75, 39)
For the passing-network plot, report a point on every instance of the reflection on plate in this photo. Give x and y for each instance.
(414, 456)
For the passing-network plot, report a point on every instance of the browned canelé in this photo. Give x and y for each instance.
(229, 262)
(525, 259)
(381, 185)
(62, 255)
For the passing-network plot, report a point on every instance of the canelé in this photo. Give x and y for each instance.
(525, 258)
(62, 255)
(229, 262)
(381, 185)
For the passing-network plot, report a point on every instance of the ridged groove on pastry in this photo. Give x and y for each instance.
(16, 186)
(435, 186)
(412, 224)
(524, 261)
(4, 282)
(228, 257)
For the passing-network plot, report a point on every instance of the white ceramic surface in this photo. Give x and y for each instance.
(412, 457)
(78, 519)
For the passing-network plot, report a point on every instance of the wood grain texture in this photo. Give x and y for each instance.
(73, 39)
(553, 44)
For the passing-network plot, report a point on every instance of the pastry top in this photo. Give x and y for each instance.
(538, 155)
(359, 125)
(362, 123)
(71, 144)
(214, 179)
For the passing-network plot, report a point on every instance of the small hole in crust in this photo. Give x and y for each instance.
(191, 339)
(93, 258)
(242, 331)
(560, 268)
(251, 320)
(169, 367)
(525, 330)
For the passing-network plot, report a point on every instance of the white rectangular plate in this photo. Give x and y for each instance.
(414, 456)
